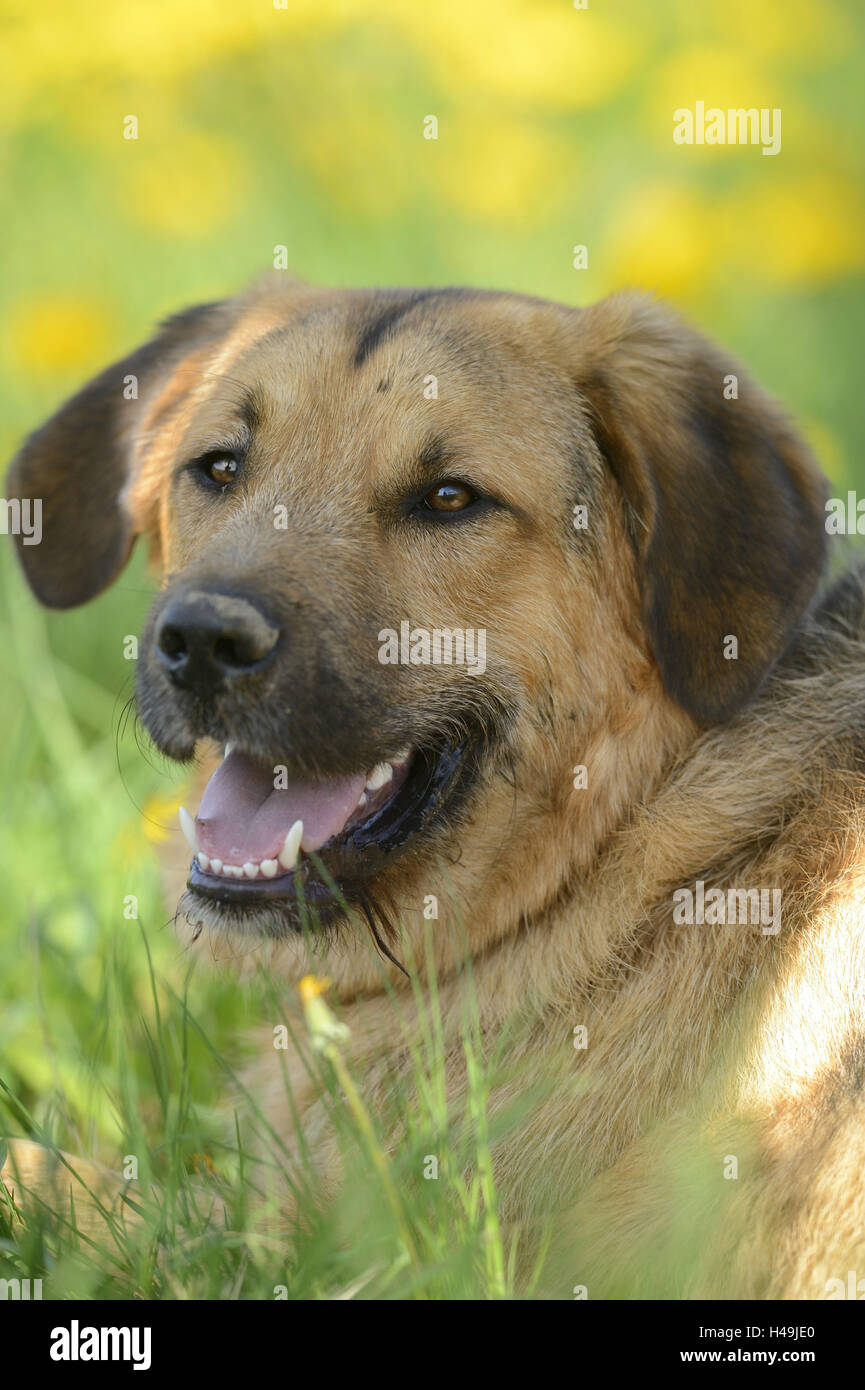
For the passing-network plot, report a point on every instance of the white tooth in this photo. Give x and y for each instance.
(379, 775)
(216, 866)
(187, 825)
(203, 861)
(233, 870)
(288, 854)
(228, 748)
(250, 869)
(269, 867)
(362, 799)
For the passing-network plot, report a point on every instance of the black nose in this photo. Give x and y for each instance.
(205, 641)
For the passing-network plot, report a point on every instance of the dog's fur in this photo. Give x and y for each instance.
(608, 647)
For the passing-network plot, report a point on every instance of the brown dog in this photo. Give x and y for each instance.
(507, 611)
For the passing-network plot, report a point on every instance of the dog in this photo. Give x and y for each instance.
(509, 623)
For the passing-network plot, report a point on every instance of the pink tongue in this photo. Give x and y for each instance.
(243, 817)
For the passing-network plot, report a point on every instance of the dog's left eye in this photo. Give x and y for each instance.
(449, 497)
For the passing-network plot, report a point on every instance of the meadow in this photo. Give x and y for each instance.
(296, 134)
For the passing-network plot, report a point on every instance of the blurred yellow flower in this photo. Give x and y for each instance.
(543, 52)
(156, 823)
(499, 169)
(814, 30)
(325, 1029)
(159, 814)
(807, 230)
(369, 164)
(311, 986)
(86, 44)
(661, 237)
(56, 333)
(187, 185)
(717, 76)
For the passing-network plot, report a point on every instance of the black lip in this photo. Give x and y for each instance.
(349, 860)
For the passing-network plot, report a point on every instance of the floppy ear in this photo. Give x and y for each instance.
(82, 463)
(727, 504)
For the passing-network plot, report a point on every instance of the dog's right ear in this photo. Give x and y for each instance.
(81, 466)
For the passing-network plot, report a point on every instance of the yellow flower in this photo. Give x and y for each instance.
(368, 163)
(814, 30)
(662, 237)
(311, 986)
(540, 52)
(717, 76)
(99, 49)
(807, 230)
(499, 169)
(187, 184)
(159, 814)
(325, 1030)
(57, 333)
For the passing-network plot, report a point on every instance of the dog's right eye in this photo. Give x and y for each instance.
(219, 468)
(449, 497)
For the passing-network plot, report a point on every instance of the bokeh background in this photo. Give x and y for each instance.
(303, 126)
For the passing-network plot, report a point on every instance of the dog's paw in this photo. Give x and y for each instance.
(77, 1191)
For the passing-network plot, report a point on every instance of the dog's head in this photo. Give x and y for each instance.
(424, 552)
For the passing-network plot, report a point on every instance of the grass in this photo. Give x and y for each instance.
(112, 1044)
(390, 1232)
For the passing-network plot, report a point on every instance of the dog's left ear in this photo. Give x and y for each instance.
(726, 503)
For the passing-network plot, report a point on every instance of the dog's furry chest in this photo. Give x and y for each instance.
(685, 1100)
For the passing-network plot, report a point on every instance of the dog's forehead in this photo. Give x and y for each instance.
(361, 381)
(420, 346)
(378, 340)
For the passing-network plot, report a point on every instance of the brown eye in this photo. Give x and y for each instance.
(450, 497)
(221, 468)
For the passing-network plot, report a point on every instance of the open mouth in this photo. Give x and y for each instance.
(259, 837)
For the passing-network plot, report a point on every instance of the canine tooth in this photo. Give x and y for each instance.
(216, 866)
(228, 748)
(380, 774)
(250, 869)
(269, 867)
(187, 825)
(288, 854)
(203, 861)
(362, 799)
